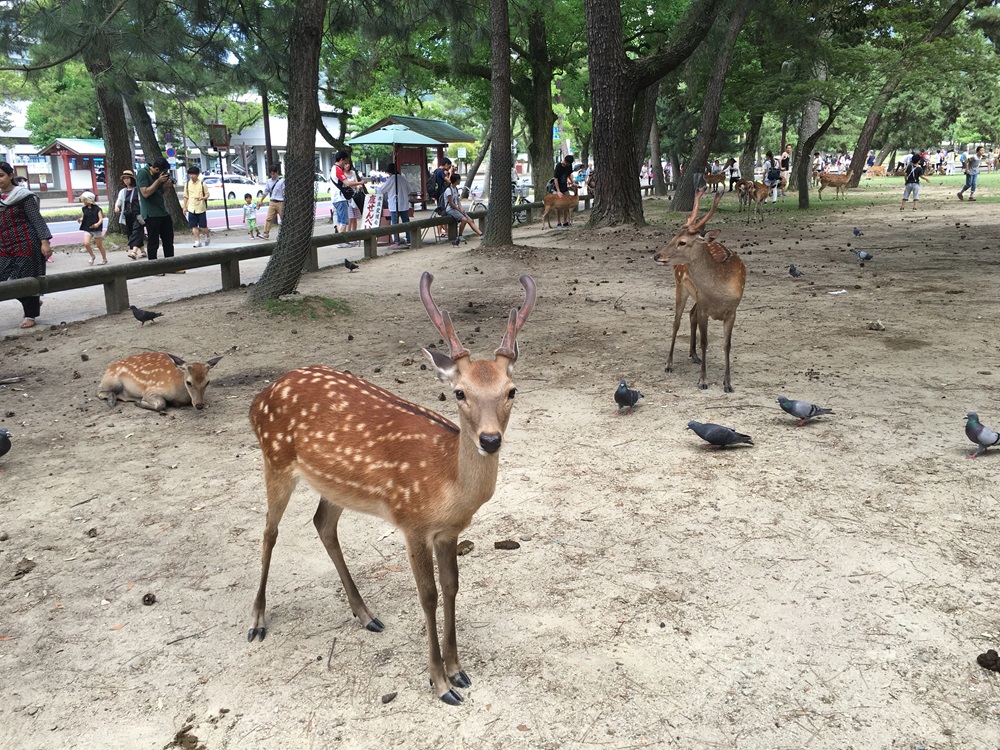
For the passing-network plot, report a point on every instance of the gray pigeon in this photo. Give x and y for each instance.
(802, 409)
(143, 315)
(862, 255)
(977, 432)
(351, 267)
(4, 441)
(858, 232)
(793, 271)
(626, 398)
(717, 434)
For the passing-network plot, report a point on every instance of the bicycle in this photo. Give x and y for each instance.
(519, 203)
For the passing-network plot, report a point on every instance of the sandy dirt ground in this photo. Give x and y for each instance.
(829, 587)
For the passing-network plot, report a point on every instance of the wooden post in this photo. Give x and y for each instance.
(231, 274)
(312, 260)
(371, 247)
(116, 295)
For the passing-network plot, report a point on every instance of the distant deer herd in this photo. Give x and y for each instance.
(362, 448)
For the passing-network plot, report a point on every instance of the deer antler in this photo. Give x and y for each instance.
(694, 211)
(516, 320)
(441, 319)
(695, 228)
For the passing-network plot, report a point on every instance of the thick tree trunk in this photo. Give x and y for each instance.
(888, 90)
(115, 129)
(884, 152)
(613, 93)
(710, 109)
(659, 184)
(615, 83)
(802, 166)
(540, 117)
(150, 146)
(498, 228)
(748, 159)
(288, 260)
(643, 116)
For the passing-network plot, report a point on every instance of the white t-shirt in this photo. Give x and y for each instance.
(335, 194)
(397, 193)
(448, 194)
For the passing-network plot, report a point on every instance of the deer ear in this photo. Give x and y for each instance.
(446, 368)
(711, 234)
(213, 362)
(176, 360)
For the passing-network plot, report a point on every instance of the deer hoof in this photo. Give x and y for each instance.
(703, 386)
(460, 679)
(375, 626)
(254, 632)
(668, 368)
(728, 389)
(452, 698)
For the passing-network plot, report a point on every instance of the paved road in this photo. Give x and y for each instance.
(68, 232)
(83, 304)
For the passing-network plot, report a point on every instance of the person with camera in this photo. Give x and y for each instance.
(153, 181)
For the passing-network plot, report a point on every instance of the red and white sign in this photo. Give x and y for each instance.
(372, 214)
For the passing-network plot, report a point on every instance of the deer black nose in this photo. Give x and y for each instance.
(490, 443)
(199, 406)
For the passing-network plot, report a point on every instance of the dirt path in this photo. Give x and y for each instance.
(829, 587)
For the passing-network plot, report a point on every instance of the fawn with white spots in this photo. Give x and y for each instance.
(155, 380)
(718, 277)
(365, 449)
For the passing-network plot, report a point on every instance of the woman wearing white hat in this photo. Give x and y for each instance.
(127, 206)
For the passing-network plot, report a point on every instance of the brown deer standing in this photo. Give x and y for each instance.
(758, 197)
(718, 275)
(155, 380)
(837, 181)
(564, 205)
(715, 179)
(366, 449)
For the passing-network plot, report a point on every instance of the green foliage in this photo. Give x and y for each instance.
(63, 105)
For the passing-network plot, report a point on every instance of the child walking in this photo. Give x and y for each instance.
(92, 224)
(250, 215)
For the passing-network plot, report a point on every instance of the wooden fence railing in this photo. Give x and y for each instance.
(114, 279)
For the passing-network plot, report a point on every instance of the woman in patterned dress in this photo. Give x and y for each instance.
(24, 239)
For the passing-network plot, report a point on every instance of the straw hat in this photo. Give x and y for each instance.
(128, 173)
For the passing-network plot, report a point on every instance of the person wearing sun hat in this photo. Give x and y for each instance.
(127, 209)
(24, 239)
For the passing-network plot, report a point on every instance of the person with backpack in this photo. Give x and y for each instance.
(913, 174)
(442, 179)
(772, 175)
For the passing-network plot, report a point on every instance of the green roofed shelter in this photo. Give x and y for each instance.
(411, 158)
(77, 156)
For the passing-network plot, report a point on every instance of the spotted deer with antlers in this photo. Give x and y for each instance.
(365, 449)
(717, 275)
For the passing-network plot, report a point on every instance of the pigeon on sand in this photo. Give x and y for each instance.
(717, 434)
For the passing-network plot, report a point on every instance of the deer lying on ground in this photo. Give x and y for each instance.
(155, 380)
(718, 276)
(365, 449)
(876, 171)
(564, 205)
(837, 181)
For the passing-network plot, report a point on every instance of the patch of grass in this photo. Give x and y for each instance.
(311, 307)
